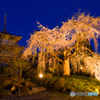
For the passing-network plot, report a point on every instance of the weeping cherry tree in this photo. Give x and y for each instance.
(66, 38)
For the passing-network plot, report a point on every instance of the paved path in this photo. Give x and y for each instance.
(49, 95)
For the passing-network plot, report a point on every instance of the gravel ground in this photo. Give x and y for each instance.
(48, 95)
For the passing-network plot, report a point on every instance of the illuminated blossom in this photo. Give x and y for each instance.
(76, 29)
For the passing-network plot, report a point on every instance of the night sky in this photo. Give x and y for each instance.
(22, 15)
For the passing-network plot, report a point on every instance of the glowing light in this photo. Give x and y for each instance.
(80, 67)
(97, 90)
(13, 88)
(40, 75)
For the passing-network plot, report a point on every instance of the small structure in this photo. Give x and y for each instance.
(8, 45)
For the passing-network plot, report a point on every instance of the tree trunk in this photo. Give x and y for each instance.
(66, 68)
(50, 62)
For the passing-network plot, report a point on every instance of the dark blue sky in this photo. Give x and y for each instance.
(22, 15)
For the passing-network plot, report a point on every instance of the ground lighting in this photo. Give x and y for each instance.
(80, 67)
(40, 75)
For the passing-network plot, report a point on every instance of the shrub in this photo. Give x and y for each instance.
(59, 83)
(57, 69)
(2, 78)
(17, 81)
(2, 90)
(16, 78)
(64, 90)
(22, 80)
(29, 84)
(28, 79)
(8, 71)
(39, 81)
(20, 65)
(25, 89)
(48, 76)
(7, 82)
(42, 81)
(31, 72)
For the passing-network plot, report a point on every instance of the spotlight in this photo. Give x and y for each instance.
(80, 67)
(40, 75)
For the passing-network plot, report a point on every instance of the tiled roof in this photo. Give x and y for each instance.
(4, 32)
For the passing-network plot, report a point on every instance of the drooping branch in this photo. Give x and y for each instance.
(59, 52)
(76, 45)
(72, 55)
(90, 51)
(53, 54)
(84, 26)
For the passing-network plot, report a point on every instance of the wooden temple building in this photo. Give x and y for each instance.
(9, 48)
